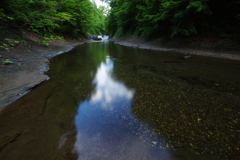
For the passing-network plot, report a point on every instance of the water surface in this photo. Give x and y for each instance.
(106, 101)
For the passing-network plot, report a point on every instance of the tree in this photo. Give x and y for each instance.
(46, 17)
(173, 17)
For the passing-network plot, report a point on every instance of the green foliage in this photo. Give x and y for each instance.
(5, 46)
(49, 38)
(126, 17)
(9, 44)
(7, 61)
(86, 18)
(12, 41)
(4, 17)
(45, 17)
(46, 42)
(172, 17)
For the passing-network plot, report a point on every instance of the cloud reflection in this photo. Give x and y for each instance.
(106, 128)
(107, 89)
(103, 108)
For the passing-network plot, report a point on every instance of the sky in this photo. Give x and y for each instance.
(100, 3)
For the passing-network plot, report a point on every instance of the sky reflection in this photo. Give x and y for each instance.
(106, 128)
(107, 89)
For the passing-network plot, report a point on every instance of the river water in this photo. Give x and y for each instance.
(105, 101)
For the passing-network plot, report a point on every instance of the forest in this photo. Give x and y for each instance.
(48, 17)
(174, 18)
(149, 18)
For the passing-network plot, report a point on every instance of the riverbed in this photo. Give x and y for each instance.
(107, 101)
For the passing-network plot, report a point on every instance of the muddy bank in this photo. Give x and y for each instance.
(28, 67)
(211, 48)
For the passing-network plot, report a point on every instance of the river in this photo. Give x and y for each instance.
(105, 101)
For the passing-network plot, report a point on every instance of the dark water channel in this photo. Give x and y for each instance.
(105, 101)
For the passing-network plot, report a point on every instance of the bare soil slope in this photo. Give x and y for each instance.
(29, 59)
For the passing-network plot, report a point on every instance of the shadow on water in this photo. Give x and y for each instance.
(106, 101)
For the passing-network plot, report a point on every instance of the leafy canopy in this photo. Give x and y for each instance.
(46, 17)
(172, 17)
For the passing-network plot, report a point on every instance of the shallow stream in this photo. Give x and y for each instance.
(105, 101)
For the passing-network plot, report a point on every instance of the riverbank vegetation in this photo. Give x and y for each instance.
(174, 18)
(53, 17)
(174, 21)
(148, 18)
